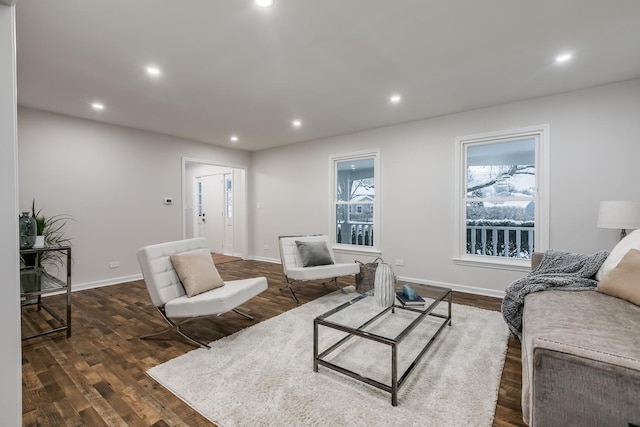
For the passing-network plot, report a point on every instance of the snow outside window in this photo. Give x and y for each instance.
(502, 212)
(354, 200)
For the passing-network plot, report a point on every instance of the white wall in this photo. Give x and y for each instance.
(10, 355)
(112, 180)
(594, 150)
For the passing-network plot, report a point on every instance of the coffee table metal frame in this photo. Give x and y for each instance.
(396, 382)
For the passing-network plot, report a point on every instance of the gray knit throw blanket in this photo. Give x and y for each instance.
(558, 270)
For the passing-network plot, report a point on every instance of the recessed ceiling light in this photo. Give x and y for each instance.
(563, 57)
(296, 123)
(153, 70)
(233, 138)
(264, 3)
(394, 99)
(98, 106)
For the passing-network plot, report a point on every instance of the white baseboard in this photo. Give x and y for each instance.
(264, 259)
(99, 284)
(105, 282)
(460, 288)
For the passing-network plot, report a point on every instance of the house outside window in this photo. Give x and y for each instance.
(503, 208)
(354, 215)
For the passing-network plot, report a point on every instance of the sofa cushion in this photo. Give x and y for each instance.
(323, 271)
(313, 254)
(218, 300)
(631, 241)
(197, 273)
(624, 280)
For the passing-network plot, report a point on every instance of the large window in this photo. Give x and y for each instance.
(503, 195)
(354, 199)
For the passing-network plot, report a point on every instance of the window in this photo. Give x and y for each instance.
(199, 197)
(503, 196)
(228, 186)
(354, 183)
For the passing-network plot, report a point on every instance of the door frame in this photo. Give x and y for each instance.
(242, 229)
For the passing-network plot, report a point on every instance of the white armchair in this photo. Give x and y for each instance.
(169, 296)
(295, 271)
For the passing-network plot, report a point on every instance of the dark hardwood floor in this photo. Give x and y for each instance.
(97, 377)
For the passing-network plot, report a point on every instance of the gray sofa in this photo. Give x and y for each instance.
(580, 359)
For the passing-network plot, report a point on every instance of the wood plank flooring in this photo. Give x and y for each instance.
(97, 377)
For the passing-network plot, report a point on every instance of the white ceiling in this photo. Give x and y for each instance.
(230, 67)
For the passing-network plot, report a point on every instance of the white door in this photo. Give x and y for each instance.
(213, 215)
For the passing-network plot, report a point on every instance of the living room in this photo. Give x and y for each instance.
(112, 180)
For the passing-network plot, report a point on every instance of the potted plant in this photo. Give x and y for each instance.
(51, 229)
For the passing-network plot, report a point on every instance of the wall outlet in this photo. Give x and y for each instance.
(400, 262)
(167, 200)
(114, 264)
(266, 247)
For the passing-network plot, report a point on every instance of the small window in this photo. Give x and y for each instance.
(199, 197)
(354, 198)
(228, 185)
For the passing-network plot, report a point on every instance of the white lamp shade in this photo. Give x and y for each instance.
(620, 214)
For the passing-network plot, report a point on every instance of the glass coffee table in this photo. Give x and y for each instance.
(362, 318)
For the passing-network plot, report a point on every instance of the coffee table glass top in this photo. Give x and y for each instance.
(348, 339)
(357, 314)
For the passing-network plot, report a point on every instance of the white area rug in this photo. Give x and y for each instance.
(263, 375)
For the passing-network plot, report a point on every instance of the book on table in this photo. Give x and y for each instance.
(418, 301)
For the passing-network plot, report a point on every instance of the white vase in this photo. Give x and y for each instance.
(384, 285)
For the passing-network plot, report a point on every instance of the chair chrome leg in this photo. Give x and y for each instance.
(175, 328)
(191, 339)
(155, 334)
(295, 298)
(243, 314)
(335, 282)
(288, 286)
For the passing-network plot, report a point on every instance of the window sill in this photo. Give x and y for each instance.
(498, 263)
(357, 250)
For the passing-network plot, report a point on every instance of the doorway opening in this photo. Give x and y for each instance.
(214, 205)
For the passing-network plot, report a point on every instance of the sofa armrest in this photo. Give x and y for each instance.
(536, 259)
(570, 389)
(580, 359)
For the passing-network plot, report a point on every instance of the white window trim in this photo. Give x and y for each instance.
(542, 133)
(333, 161)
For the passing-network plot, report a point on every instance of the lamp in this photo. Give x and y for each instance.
(621, 214)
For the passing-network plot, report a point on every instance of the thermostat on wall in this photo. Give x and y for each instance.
(168, 200)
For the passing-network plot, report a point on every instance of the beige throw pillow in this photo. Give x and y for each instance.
(632, 241)
(624, 280)
(197, 273)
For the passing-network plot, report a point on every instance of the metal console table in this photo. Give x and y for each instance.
(36, 282)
